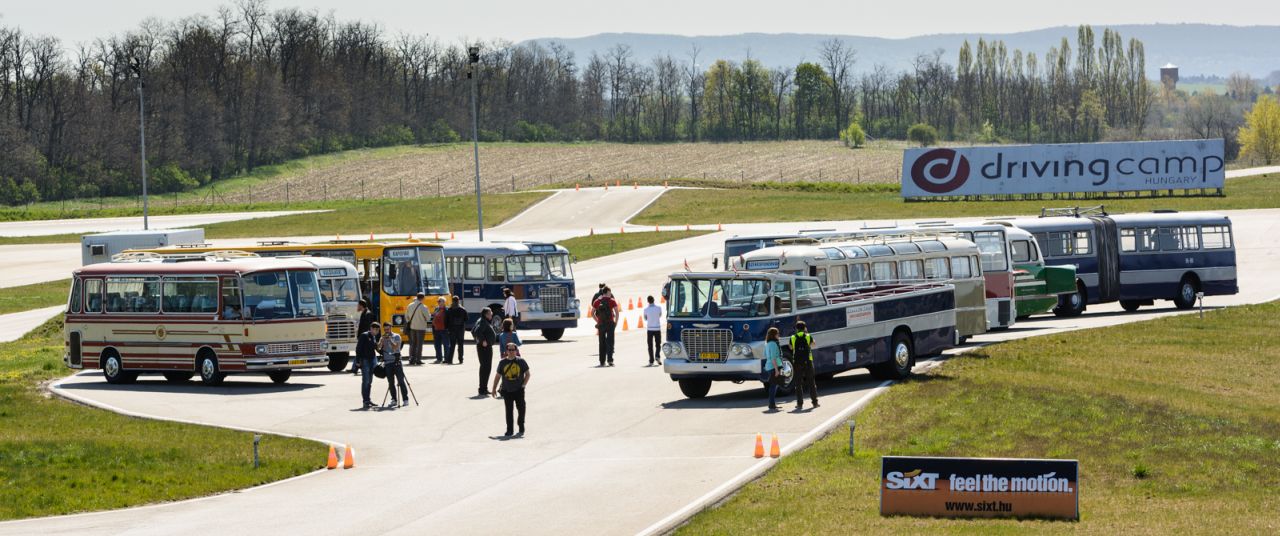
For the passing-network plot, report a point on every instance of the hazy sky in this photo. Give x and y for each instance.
(83, 20)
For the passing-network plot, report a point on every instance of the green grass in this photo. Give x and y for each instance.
(1175, 431)
(57, 457)
(34, 296)
(348, 217)
(822, 201)
(589, 247)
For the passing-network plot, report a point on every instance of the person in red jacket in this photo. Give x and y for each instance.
(605, 312)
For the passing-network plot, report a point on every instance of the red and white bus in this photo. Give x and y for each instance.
(211, 316)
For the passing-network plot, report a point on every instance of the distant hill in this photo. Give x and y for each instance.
(1199, 49)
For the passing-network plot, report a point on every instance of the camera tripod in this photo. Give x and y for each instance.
(407, 383)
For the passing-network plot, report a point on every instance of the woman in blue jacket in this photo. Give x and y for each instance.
(773, 365)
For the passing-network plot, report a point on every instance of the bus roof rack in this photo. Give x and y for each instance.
(1074, 212)
(192, 246)
(278, 243)
(797, 241)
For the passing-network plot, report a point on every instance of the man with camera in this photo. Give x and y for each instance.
(366, 357)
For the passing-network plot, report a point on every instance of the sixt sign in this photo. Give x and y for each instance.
(1063, 168)
(979, 487)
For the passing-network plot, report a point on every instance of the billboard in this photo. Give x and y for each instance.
(1063, 168)
(979, 487)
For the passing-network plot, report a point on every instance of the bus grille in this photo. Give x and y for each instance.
(554, 299)
(340, 328)
(309, 347)
(706, 345)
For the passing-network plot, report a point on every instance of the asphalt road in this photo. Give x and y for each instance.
(609, 451)
(101, 225)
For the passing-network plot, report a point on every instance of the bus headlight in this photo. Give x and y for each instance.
(740, 350)
(260, 349)
(670, 349)
(534, 306)
(397, 320)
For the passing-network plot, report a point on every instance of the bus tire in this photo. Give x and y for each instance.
(695, 389)
(178, 376)
(553, 334)
(902, 357)
(338, 361)
(1130, 305)
(113, 369)
(1073, 304)
(207, 364)
(1187, 289)
(279, 376)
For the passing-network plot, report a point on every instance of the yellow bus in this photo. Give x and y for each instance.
(391, 272)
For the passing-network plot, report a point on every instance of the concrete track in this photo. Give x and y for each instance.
(609, 450)
(100, 225)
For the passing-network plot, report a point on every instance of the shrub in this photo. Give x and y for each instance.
(988, 133)
(923, 134)
(853, 136)
(171, 178)
(393, 135)
(440, 132)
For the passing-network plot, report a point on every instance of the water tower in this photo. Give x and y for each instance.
(1169, 76)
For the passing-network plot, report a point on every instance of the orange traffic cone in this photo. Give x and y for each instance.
(687, 228)
(774, 449)
(618, 184)
(349, 457)
(333, 458)
(410, 237)
(664, 184)
(624, 325)
(635, 185)
(631, 306)
(437, 235)
(656, 229)
(371, 237)
(452, 236)
(759, 446)
(719, 227)
(640, 322)
(664, 299)
(577, 187)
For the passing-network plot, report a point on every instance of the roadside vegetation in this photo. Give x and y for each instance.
(58, 457)
(832, 201)
(589, 247)
(1175, 422)
(34, 296)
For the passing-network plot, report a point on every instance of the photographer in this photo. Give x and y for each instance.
(389, 344)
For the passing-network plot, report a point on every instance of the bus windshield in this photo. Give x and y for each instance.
(558, 266)
(992, 247)
(525, 268)
(339, 290)
(281, 294)
(726, 298)
(409, 270)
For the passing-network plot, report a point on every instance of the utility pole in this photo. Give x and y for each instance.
(142, 133)
(473, 55)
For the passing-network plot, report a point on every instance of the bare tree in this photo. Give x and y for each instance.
(838, 58)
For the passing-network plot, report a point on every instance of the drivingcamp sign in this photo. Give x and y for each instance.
(1063, 168)
(979, 487)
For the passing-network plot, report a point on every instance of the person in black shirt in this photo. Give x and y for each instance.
(456, 323)
(486, 337)
(366, 356)
(366, 319)
(513, 375)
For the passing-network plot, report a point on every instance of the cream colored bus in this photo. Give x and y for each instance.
(209, 316)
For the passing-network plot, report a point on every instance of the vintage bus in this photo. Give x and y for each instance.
(908, 259)
(1137, 258)
(539, 275)
(210, 317)
(391, 272)
(717, 321)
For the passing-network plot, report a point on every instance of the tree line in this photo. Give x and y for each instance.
(250, 86)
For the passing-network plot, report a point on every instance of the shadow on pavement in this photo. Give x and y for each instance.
(759, 397)
(160, 385)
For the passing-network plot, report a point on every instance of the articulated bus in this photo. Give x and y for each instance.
(1137, 258)
(209, 317)
(391, 272)
(886, 260)
(539, 275)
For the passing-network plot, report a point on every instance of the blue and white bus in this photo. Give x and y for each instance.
(717, 321)
(540, 276)
(1137, 258)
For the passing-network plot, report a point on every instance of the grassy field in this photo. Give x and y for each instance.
(1176, 432)
(58, 458)
(589, 247)
(28, 297)
(419, 216)
(825, 201)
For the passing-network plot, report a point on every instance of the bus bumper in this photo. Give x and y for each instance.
(258, 364)
(540, 320)
(729, 370)
(341, 347)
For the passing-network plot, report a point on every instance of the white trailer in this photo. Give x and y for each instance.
(96, 248)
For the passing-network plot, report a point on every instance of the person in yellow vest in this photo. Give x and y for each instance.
(802, 361)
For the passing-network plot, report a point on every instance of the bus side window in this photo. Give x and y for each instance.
(1190, 237)
(936, 268)
(1083, 243)
(1021, 250)
(837, 275)
(93, 296)
(1216, 236)
(883, 272)
(960, 268)
(473, 269)
(859, 273)
(232, 308)
(782, 298)
(497, 270)
(73, 306)
(809, 295)
(910, 271)
(1128, 240)
(1148, 239)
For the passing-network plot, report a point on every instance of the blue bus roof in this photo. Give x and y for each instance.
(509, 248)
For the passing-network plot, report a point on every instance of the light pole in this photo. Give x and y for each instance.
(473, 56)
(142, 133)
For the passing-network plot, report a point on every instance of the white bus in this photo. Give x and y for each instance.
(539, 275)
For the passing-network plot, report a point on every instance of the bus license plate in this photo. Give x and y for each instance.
(297, 361)
(708, 355)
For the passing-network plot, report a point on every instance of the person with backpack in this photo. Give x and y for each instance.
(485, 337)
(439, 335)
(773, 366)
(389, 346)
(455, 321)
(417, 320)
(605, 312)
(509, 335)
(513, 373)
(802, 365)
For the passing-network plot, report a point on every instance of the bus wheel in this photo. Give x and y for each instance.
(1130, 305)
(113, 369)
(695, 389)
(280, 376)
(209, 373)
(553, 334)
(1072, 304)
(338, 361)
(1186, 297)
(901, 357)
(178, 377)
